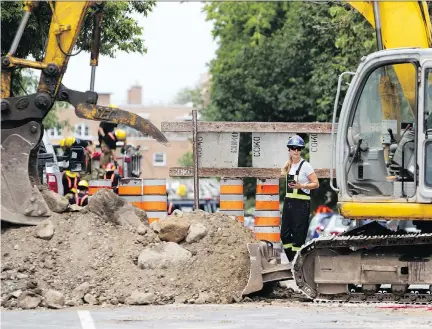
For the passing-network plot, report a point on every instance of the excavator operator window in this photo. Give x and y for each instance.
(386, 101)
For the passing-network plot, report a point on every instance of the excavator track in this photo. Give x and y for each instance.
(305, 271)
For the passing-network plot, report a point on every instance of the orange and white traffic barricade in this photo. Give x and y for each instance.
(98, 184)
(231, 198)
(267, 212)
(146, 194)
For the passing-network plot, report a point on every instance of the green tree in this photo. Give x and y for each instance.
(183, 97)
(186, 160)
(120, 30)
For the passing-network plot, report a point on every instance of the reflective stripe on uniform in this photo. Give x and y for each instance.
(296, 248)
(287, 246)
(297, 196)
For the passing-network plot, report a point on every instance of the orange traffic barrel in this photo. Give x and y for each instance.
(267, 212)
(146, 194)
(231, 198)
(97, 184)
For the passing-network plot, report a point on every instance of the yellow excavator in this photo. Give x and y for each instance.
(382, 155)
(22, 116)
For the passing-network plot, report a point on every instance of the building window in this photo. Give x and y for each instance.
(54, 132)
(159, 159)
(82, 130)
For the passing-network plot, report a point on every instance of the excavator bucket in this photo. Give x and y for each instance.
(105, 113)
(264, 268)
(22, 202)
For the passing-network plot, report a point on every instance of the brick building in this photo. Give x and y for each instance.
(156, 158)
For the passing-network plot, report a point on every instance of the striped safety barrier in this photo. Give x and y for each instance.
(231, 198)
(146, 194)
(267, 212)
(97, 184)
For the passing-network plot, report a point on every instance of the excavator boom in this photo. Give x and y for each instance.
(22, 116)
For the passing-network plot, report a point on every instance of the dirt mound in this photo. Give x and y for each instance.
(96, 258)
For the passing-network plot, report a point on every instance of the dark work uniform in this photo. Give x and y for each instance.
(295, 217)
(81, 198)
(69, 183)
(115, 178)
(80, 142)
(107, 127)
(110, 140)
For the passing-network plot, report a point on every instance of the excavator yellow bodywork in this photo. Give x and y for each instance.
(22, 116)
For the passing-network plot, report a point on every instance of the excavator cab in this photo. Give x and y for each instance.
(22, 116)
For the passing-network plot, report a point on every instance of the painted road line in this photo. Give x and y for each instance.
(86, 319)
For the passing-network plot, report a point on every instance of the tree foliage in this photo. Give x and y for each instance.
(120, 31)
(186, 160)
(279, 61)
(189, 95)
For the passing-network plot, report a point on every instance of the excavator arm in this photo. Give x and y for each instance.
(386, 18)
(22, 116)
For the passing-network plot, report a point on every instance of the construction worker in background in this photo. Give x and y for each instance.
(106, 127)
(71, 141)
(181, 190)
(81, 197)
(109, 146)
(70, 182)
(300, 180)
(111, 174)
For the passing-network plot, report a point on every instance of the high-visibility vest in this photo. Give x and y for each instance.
(69, 181)
(79, 201)
(295, 193)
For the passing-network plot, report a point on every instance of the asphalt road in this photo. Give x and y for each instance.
(284, 315)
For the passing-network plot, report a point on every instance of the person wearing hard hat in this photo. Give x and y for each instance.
(62, 150)
(109, 146)
(113, 176)
(181, 190)
(62, 144)
(71, 141)
(300, 180)
(81, 197)
(70, 182)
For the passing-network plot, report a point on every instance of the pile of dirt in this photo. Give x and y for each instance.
(106, 253)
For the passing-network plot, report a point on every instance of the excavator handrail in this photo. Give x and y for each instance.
(335, 108)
